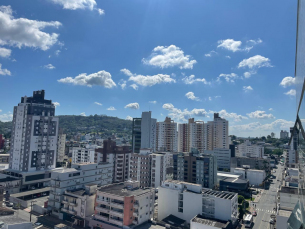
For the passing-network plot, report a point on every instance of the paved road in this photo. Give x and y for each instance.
(264, 207)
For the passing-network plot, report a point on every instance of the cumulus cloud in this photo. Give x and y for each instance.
(57, 52)
(5, 53)
(229, 44)
(288, 81)
(97, 103)
(183, 115)
(255, 42)
(292, 92)
(134, 86)
(134, 106)
(191, 95)
(111, 108)
(260, 115)
(153, 102)
(101, 78)
(210, 54)
(228, 57)
(82, 114)
(4, 71)
(123, 83)
(56, 104)
(129, 118)
(79, 4)
(248, 74)
(148, 80)
(234, 116)
(169, 56)
(6, 117)
(279, 124)
(247, 88)
(270, 109)
(49, 66)
(228, 77)
(21, 32)
(257, 61)
(191, 79)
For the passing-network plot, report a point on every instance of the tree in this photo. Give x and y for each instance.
(240, 199)
(263, 138)
(268, 137)
(272, 135)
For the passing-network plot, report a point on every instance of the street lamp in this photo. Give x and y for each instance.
(33, 201)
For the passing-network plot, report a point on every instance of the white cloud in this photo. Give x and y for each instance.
(82, 114)
(228, 77)
(247, 88)
(169, 56)
(57, 52)
(6, 117)
(217, 96)
(79, 4)
(0, 110)
(191, 95)
(292, 92)
(260, 115)
(49, 66)
(101, 78)
(122, 83)
(270, 109)
(229, 44)
(255, 42)
(210, 98)
(247, 74)
(183, 115)
(279, 124)
(153, 102)
(134, 86)
(97, 103)
(191, 79)
(4, 71)
(4, 52)
(134, 106)
(111, 108)
(101, 12)
(210, 54)
(56, 104)
(257, 61)
(228, 57)
(129, 118)
(227, 115)
(148, 80)
(288, 81)
(25, 32)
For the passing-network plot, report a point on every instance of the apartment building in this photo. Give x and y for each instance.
(167, 136)
(61, 144)
(191, 135)
(81, 155)
(284, 134)
(144, 133)
(186, 200)
(251, 163)
(140, 167)
(34, 134)
(123, 205)
(118, 156)
(79, 204)
(75, 178)
(223, 157)
(247, 149)
(159, 165)
(196, 168)
(216, 133)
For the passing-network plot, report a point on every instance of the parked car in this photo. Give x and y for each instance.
(254, 213)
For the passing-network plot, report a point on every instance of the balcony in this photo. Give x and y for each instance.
(135, 222)
(115, 213)
(104, 210)
(117, 205)
(102, 202)
(117, 222)
(99, 217)
(65, 202)
(135, 214)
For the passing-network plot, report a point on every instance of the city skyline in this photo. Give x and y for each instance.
(167, 64)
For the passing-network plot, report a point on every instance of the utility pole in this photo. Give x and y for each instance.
(33, 201)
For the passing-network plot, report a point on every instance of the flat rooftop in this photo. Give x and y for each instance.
(228, 175)
(235, 180)
(210, 222)
(120, 190)
(219, 194)
(284, 213)
(12, 219)
(35, 191)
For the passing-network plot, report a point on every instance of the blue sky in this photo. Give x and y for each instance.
(176, 58)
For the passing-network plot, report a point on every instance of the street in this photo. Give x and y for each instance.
(267, 203)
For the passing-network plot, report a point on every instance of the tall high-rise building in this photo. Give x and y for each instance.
(191, 135)
(167, 136)
(34, 134)
(284, 134)
(61, 144)
(216, 134)
(144, 133)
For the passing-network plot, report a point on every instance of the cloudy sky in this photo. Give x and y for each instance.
(176, 58)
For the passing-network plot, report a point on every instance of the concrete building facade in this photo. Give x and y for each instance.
(223, 157)
(167, 136)
(81, 155)
(247, 149)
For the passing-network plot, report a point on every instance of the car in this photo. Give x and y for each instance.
(9, 204)
(37, 224)
(254, 213)
(33, 187)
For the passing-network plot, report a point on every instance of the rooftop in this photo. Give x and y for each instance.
(210, 222)
(121, 190)
(284, 213)
(12, 219)
(219, 194)
(20, 194)
(78, 192)
(173, 220)
(235, 180)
